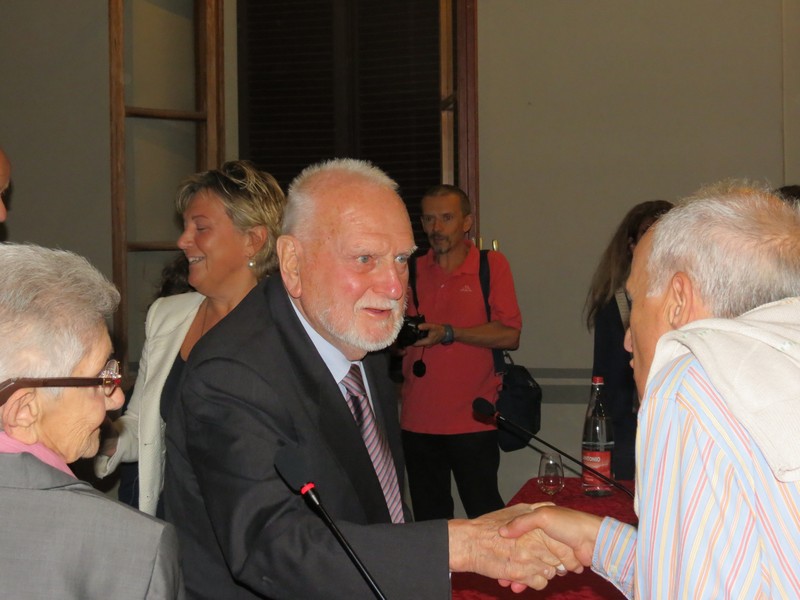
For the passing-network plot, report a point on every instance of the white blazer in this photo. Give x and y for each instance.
(142, 434)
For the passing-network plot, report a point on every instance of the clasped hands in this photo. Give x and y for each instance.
(524, 545)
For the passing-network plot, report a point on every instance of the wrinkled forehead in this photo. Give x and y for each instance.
(441, 203)
(360, 204)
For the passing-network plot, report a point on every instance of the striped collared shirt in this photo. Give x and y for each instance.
(713, 520)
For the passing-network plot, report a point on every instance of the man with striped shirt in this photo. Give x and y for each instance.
(715, 336)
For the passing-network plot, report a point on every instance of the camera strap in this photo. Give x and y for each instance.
(484, 274)
(412, 280)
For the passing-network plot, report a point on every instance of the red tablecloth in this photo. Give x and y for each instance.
(587, 585)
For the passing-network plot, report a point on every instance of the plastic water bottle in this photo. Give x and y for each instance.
(598, 441)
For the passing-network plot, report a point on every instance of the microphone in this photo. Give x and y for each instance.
(291, 464)
(483, 407)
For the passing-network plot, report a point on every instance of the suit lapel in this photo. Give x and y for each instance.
(326, 406)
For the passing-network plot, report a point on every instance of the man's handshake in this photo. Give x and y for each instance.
(523, 545)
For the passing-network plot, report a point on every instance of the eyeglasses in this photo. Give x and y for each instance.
(109, 379)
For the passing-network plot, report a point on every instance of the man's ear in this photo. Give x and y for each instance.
(289, 251)
(21, 414)
(468, 220)
(256, 238)
(684, 303)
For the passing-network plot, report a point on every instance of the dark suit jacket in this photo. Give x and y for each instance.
(253, 384)
(62, 539)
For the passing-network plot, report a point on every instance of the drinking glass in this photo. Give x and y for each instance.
(551, 474)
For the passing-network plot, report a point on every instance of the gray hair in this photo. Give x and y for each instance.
(301, 192)
(738, 242)
(53, 306)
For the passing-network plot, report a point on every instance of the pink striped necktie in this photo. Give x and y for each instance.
(376, 443)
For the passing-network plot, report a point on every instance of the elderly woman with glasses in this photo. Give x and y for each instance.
(231, 221)
(60, 538)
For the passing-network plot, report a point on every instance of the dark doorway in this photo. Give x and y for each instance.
(342, 78)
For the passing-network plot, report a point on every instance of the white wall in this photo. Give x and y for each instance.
(54, 124)
(587, 108)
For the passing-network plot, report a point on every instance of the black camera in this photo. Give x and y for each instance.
(410, 331)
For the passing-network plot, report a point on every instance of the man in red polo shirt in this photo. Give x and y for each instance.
(440, 434)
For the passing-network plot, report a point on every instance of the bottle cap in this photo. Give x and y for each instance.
(596, 379)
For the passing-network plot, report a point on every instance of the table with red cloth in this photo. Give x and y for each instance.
(587, 585)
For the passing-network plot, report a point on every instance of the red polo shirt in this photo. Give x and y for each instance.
(441, 401)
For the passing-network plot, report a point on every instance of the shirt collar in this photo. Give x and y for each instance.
(470, 265)
(9, 445)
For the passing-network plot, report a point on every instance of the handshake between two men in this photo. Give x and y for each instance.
(524, 545)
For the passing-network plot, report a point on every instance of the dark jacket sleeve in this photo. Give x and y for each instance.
(235, 421)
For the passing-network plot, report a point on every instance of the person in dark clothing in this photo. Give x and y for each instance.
(607, 308)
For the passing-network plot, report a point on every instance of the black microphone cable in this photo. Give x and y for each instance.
(292, 467)
(483, 407)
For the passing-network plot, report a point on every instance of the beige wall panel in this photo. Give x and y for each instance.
(159, 155)
(159, 54)
(791, 91)
(587, 108)
(54, 124)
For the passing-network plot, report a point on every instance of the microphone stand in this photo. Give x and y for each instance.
(314, 501)
(292, 465)
(501, 419)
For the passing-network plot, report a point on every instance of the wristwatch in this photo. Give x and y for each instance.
(449, 336)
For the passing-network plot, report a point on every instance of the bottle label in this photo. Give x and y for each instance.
(600, 461)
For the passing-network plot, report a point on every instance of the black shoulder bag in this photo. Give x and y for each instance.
(520, 397)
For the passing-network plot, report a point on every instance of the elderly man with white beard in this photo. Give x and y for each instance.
(296, 366)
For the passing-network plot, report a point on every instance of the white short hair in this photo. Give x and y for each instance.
(300, 195)
(53, 306)
(738, 242)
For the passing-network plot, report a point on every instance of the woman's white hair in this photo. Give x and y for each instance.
(738, 242)
(53, 306)
(300, 196)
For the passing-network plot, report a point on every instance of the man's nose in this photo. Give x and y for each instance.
(627, 343)
(391, 283)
